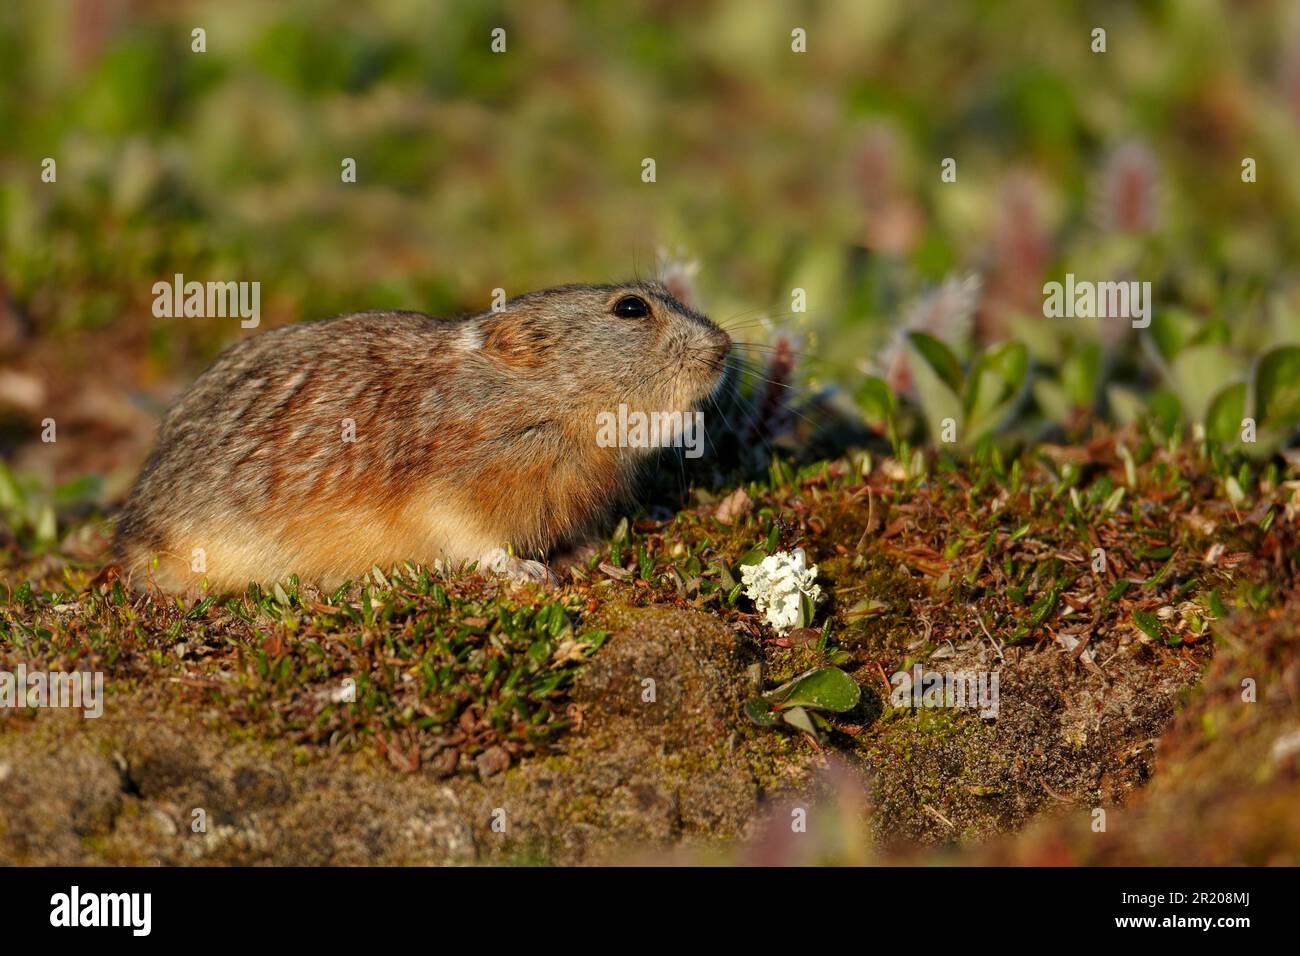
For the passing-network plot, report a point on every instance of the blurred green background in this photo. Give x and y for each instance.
(775, 170)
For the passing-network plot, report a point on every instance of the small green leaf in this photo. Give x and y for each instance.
(1201, 371)
(1173, 330)
(1126, 405)
(938, 379)
(993, 387)
(798, 718)
(1236, 494)
(760, 712)
(1216, 605)
(1043, 607)
(1053, 400)
(1224, 414)
(1149, 623)
(11, 493)
(46, 526)
(1150, 552)
(1080, 372)
(1277, 388)
(87, 488)
(938, 357)
(867, 607)
(201, 607)
(826, 688)
(1164, 409)
(806, 610)
(876, 400)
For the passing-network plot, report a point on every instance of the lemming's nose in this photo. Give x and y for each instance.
(721, 343)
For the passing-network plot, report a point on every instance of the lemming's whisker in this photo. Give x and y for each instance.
(771, 318)
(792, 388)
(764, 358)
(776, 347)
(750, 419)
(763, 378)
(753, 370)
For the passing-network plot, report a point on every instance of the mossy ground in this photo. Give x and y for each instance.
(423, 717)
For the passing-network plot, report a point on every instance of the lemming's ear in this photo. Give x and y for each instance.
(517, 338)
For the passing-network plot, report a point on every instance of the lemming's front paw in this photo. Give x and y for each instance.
(499, 561)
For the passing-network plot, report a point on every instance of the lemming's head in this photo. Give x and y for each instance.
(631, 343)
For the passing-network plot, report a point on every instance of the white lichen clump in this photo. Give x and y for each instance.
(778, 586)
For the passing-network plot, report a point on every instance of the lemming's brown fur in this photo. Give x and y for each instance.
(471, 434)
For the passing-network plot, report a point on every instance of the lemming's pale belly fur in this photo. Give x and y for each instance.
(323, 545)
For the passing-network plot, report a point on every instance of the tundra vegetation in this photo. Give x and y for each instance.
(1098, 505)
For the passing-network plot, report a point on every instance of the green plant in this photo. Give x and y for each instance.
(966, 403)
(1218, 387)
(1072, 384)
(798, 701)
(1270, 399)
(29, 511)
(879, 406)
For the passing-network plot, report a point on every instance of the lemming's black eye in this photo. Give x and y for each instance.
(631, 307)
